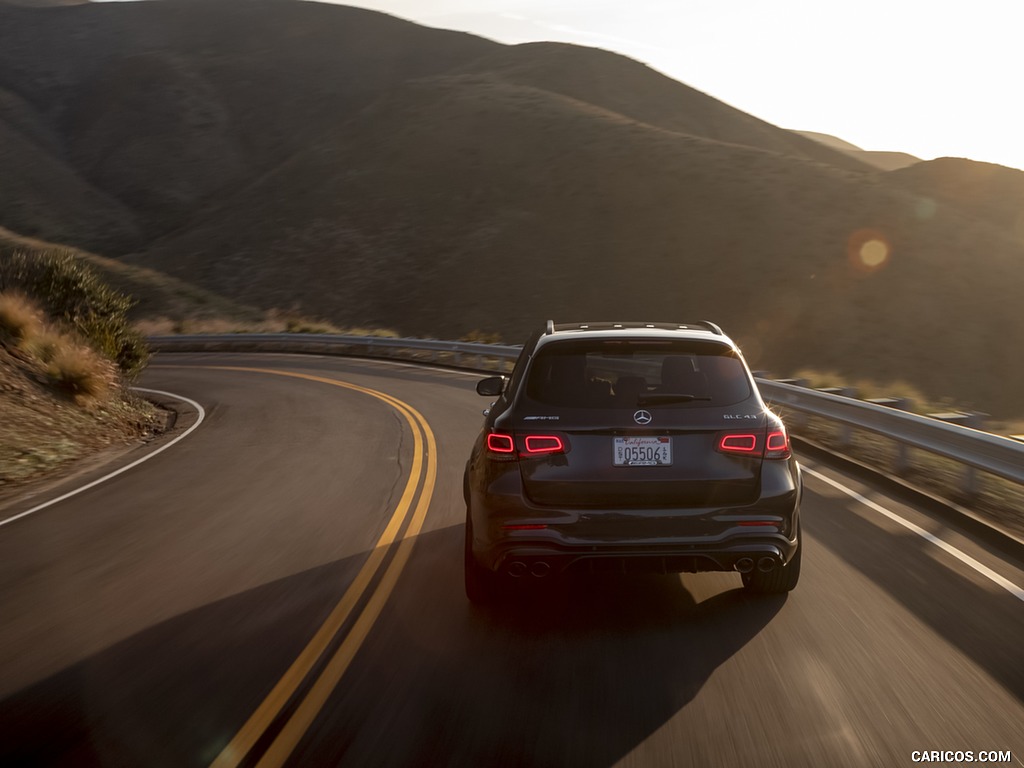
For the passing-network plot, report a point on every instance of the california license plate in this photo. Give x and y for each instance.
(643, 451)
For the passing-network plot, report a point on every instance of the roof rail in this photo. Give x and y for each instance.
(709, 325)
(704, 325)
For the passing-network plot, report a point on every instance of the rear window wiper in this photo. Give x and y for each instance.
(655, 399)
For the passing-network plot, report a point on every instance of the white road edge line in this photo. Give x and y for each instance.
(967, 560)
(147, 457)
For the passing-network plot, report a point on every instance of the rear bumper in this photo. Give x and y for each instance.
(511, 534)
(660, 541)
(539, 557)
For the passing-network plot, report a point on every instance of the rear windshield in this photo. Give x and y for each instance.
(627, 373)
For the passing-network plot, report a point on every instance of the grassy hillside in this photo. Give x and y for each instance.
(632, 89)
(517, 204)
(363, 169)
(155, 294)
(45, 197)
(885, 161)
(162, 106)
(987, 191)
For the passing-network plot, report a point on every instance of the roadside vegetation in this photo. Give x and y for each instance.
(67, 355)
(73, 297)
(69, 366)
(867, 389)
(273, 321)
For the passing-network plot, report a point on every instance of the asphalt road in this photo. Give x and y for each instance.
(284, 586)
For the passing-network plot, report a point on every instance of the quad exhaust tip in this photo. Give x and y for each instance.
(745, 565)
(539, 569)
(766, 564)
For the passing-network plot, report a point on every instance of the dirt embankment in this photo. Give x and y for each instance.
(62, 399)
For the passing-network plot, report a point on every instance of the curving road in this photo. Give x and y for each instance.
(284, 587)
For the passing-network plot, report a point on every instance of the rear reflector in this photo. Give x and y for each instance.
(500, 443)
(758, 522)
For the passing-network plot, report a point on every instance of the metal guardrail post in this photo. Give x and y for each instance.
(845, 431)
(795, 419)
(903, 404)
(973, 421)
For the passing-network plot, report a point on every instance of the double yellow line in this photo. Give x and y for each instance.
(424, 467)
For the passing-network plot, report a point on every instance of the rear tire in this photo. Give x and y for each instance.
(778, 580)
(482, 586)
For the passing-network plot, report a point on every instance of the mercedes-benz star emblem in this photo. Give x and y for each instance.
(642, 417)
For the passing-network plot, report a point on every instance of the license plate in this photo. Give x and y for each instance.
(643, 452)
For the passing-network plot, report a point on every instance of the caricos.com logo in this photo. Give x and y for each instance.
(960, 756)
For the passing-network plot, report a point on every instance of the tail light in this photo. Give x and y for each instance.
(500, 443)
(507, 445)
(777, 445)
(774, 445)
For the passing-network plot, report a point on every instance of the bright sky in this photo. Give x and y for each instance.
(933, 78)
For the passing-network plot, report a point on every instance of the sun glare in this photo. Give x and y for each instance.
(874, 253)
(868, 250)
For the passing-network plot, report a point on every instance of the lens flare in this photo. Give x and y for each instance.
(868, 250)
(874, 253)
(925, 208)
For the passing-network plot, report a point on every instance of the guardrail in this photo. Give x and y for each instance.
(974, 449)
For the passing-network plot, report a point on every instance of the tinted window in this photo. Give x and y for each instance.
(616, 373)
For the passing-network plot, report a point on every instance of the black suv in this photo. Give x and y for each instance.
(630, 447)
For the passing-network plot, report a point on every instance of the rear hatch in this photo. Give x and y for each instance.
(636, 423)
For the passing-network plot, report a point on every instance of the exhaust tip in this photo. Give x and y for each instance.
(517, 569)
(766, 564)
(540, 569)
(745, 565)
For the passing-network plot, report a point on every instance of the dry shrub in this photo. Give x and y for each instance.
(383, 333)
(81, 374)
(302, 325)
(168, 326)
(483, 337)
(866, 389)
(71, 294)
(920, 403)
(44, 345)
(154, 326)
(20, 319)
(817, 379)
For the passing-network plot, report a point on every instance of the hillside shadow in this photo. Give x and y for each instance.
(173, 694)
(572, 673)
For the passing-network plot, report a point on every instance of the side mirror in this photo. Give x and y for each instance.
(491, 386)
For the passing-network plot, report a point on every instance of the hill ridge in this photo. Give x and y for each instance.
(376, 172)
